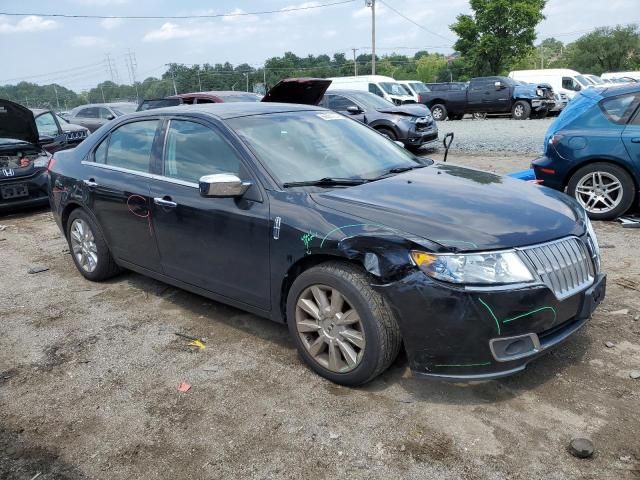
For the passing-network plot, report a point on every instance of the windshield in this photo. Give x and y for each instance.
(595, 79)
(406, 89)
(61, 119)
(370, 101)
(311, 145)
(124, 108)
(419, 87)
(393, 88)
(585, 82)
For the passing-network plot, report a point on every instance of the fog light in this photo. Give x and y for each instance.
(512, 348)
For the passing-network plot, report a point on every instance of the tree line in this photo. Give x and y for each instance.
(497, 37)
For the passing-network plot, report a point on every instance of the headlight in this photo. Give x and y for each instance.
(41, 161)
(540, 92)
(593, 244)
(474, 268)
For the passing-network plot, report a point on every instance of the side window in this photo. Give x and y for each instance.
(569, 83)
(373, 88)
(193, 150)
(619, 109)
(91, 112)
(100, 154)
(204, 100)
(340, 103)
(130, 146)
(47, 124)
(104, 113)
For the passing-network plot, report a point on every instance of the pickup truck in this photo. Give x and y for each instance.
(488, 95)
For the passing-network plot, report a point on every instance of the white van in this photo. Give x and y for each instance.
(385, 87)
(562, 80)
(415, 87)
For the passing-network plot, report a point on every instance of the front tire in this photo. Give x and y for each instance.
(88, 248)
(521, 110)
(387, 132)
(605, 190)
(343, 329)
(439, 112)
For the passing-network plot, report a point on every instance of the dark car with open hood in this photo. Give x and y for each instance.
(23, 160)
(300, 215)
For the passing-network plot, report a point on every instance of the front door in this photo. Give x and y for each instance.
(116, 182)
(341, 104)
(218, 244)
(631, 138)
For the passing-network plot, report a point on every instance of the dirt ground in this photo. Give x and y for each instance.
(89, 377)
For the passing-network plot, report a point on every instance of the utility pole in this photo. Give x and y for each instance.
(111, 68)
(372, 4)
(132, 64)
(542, 57)
(103, 100)
(199, 82)
(355, 64)
(246, 74)
(55, 89)
(173, 77)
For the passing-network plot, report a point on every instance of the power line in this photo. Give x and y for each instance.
(176, 17)
(416, 24)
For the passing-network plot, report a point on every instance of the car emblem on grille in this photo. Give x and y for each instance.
(8, 172)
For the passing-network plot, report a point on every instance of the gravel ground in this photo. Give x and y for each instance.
(89, 376)
(524, 137)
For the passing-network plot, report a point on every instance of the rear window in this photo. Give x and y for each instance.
(619, 109)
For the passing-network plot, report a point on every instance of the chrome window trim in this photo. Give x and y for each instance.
(152, 176)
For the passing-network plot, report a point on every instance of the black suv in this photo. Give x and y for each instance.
(412, 124)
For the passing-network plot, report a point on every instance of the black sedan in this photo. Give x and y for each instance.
(412, 125)
(299, 215)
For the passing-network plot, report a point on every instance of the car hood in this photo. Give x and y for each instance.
(413, 110)
(72, 127)
(17, 122)
(306, 91)
(462, 209)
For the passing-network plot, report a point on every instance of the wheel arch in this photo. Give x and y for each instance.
(612, 160)
(378, 124)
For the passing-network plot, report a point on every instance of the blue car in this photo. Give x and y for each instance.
(593, 151)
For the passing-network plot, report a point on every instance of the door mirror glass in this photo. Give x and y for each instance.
(110, 116)
(353, 109)
(222, 185)
(498, 85)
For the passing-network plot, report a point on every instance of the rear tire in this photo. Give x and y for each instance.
(346, 311)
(439, 112)
(604, 190)
(88, 248)
(521, 110)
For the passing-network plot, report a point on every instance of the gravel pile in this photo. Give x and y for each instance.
(497, 135)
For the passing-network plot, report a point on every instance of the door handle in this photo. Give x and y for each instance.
(164, 203)
(635, 140)
(91, 183)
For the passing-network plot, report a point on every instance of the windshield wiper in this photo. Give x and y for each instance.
(391, 171)
(327, 182)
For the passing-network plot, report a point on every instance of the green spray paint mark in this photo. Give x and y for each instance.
(306, 239)
(466, 365)
(356, 225)
(492, 314)
(527, 314)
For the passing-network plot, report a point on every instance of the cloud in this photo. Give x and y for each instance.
(31, 23)
(111, 23)
(169, 31)
(101, 3)
(329, 34)
(240, 16)
(88, 41)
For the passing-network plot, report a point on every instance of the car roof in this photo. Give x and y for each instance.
(230, 110)
(346, 91)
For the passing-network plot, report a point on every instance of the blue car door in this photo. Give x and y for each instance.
(631, 139)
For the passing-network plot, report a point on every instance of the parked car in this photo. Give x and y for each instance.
(64, 134)
(446, 93)
(412, 125)
(93, 116)
(384, 87)
(198, 98)
(615, 75)
(491, 95)
(593, 151)
(297, 214)
(595, 79)
(563, 80)
(23, 160)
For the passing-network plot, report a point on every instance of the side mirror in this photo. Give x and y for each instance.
(111, 116)
(498, 85)
(400, 144)
(354, 110)
(578, 87)
(222, 185)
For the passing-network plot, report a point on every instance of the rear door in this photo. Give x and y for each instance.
(217, 244)
(116, 186)
(631, 135)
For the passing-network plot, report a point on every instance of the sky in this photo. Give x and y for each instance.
(73, 52)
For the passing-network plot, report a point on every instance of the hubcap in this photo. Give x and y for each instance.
(519, 110)
(83, 245)
(437, 113)
(330, 328)
(599, 192)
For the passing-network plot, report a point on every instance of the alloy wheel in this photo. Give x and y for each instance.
(518, 111)
(599, 192)
(436, 113)
(83, 246)
(330, 328)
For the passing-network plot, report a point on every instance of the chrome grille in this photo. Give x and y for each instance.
(564, 266)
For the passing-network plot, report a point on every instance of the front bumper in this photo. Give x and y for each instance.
(456, 334)
(538, 105)
(417, 138)
(36, 184)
